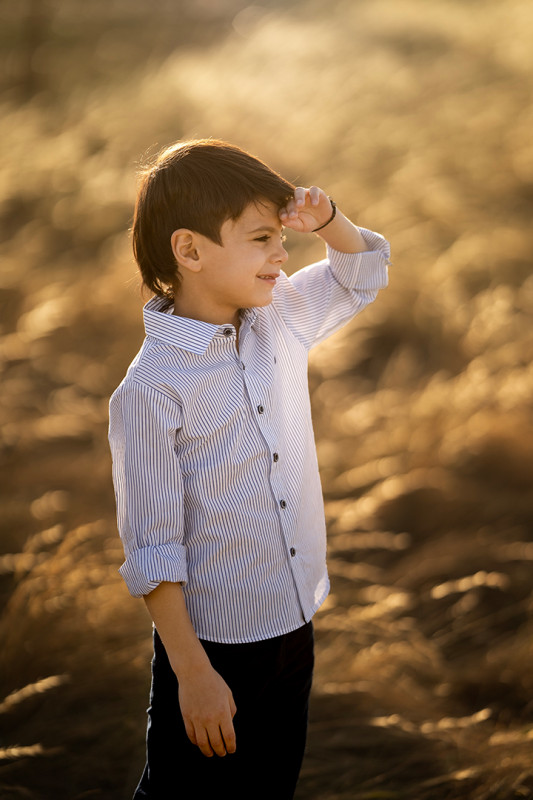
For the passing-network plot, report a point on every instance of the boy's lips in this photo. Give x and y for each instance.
(271, 276)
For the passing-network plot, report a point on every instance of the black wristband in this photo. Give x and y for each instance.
(333, 212)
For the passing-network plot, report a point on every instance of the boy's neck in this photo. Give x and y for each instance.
(190, 310)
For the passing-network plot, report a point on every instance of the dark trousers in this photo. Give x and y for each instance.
(270, 681)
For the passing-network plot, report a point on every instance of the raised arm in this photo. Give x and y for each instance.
(319, 299)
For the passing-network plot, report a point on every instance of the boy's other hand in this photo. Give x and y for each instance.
(306, 210)
(208, 708)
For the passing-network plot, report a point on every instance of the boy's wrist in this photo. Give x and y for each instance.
(190, 662)
(342, 235)
(332, 217)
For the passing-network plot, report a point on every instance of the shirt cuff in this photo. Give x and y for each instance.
(146, 568)
(368, 270)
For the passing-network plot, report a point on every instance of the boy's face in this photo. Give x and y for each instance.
(242, 272)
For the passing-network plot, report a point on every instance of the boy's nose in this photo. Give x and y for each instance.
(280, 256)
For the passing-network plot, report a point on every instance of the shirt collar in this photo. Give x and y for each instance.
(188, 334)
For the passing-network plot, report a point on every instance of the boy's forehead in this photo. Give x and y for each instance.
(259, 215)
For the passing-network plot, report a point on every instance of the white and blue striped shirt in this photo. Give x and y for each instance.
(214, 461)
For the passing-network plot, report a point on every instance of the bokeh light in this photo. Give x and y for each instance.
(416, 116)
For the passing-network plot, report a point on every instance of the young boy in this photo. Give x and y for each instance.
(218, 494)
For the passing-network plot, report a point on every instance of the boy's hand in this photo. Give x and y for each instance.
(306, 210)
(208, 708)
(310, 209)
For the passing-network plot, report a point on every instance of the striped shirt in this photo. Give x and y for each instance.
(214, 461)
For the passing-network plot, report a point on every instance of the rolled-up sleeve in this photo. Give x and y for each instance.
(148, 486)
(319, 299)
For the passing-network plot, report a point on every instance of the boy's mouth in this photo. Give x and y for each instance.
(271, 277)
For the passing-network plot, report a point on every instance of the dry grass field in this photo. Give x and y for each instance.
(416, 116)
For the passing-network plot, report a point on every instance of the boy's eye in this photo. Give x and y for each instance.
(267, 237)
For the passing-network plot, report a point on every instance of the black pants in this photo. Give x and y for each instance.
(271, 682)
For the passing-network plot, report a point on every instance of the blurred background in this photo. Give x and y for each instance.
(416, 115)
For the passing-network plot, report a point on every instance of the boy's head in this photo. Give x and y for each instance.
(195, 185)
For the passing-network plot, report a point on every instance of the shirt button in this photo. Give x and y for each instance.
(292, 551)
(260, 409)
(283, 504)
(228, 332)
(275, 456)
(242, 365)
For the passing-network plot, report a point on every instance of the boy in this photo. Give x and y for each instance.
(218, 494)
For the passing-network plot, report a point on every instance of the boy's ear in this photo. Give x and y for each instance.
(184, 248)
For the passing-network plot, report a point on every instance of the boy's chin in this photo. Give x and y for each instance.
(266, 302)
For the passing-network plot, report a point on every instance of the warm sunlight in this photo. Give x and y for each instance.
(416, 117)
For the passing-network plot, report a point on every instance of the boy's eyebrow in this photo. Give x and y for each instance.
(267, 228)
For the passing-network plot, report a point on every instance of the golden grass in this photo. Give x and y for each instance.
(416, 116)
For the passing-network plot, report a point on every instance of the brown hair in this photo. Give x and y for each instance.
(196, 185)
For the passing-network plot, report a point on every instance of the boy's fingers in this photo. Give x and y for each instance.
(314, 194)
(295, 204)
(299, 195)
(202, 741)
(297, 201)
(217, 742)
(228, 734)
(189, 729)
(214, 740)
(291, 208)
(303, 200)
